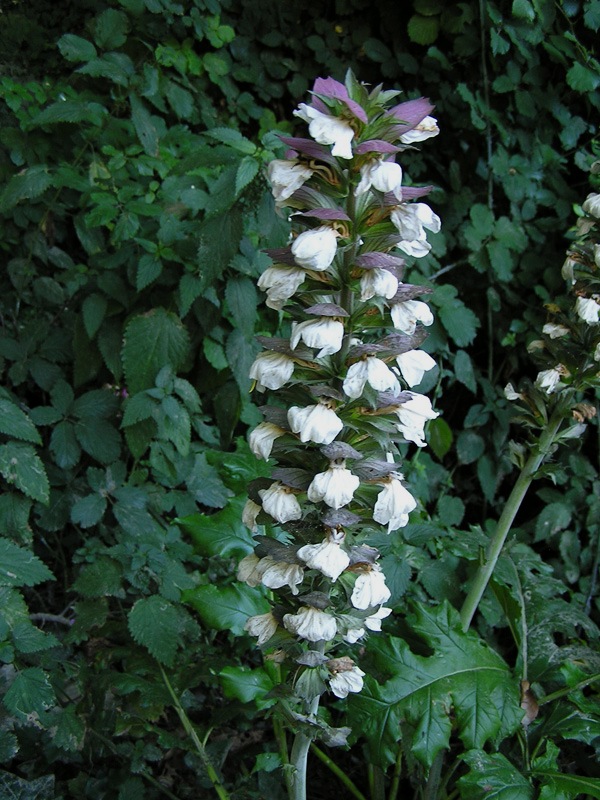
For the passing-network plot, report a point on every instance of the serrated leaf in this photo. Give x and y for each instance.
(215, 354)
(523, 9)
(149, 269)
(99, 579)
(71, 111)
(242, 299)
(64, 446)
(205, 485)
(458, 320)
(21, 466)
(423, 30)
(27, 185)
(246, 172)
(99, 439)
(463, 685)
(582, 78)
(68, 731)
(493, 777)
(154, 623)
(97, 403)
(20, 567)
(553, 518)
(241, 352)
(30, 693)
(75, 48)
(469, 447)
(153, 341)
(227, 608)
(88, 511)
(174, 424)
(110, 29)
(117, 67)
(137, 408)
(144, 125)
(573, 785)
(15, 423)
(9, 747)
(93, 310)
(219, 239)
(29, 639)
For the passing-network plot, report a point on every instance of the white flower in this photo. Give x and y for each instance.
(427, 128)
(405, 315)
(318, 423)
(326, 333)
(311, 624)
(326, 129)
(567, 270)
(250, 513)
(413, 365)
(285, 178)
(549, 379)
(411, 221)
(249, 570)
(591, 205)
(370, 370)
(280, 502)
(370, 589)
(588, 309)
(262, 626)
(378, 282)
(336, 486)
(275, 574)
(351, 680)
(315, 249)
(597, 352)
(554, 331)
(262, 437)
(353, 635)
(280, 283)
(328, 557)
(385, 176)
(271, 370)
(394, 504)
(597, 255)
(373, 622)
(511, 394)
(412, 417)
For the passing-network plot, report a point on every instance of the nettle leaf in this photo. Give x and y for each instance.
(153, 341)
(110, 29)
(88, 510)
(28, 184)
(227, 608)
(493, 777)
(74, 48)
(15, 423)
(458, 320)
(30, 693)
(222, 533)
(29, 639)
(94, 310)
(154, 623)
(21, 466)
(464, 685)
(64, 446)
(20, 567)
(242, 299)
(219, 239)
(205, 485)
(99, 439)
(144, 125)
(101, 578)
(246, 172)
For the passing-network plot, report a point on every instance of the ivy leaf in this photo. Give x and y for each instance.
(493, 777)
(153, 341)
(464, 684)
(154, 622)
(15, 423)
(227, 608)
(20, 567)
(30, 693)
(22, 467)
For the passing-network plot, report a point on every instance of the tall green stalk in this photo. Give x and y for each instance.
(486, 570)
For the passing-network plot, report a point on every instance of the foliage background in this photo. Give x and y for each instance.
(133, 139)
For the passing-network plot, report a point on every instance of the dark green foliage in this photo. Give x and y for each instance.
(133, 136)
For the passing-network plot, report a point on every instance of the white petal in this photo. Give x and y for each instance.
(311, 624)
(317, 423)
(414, 364)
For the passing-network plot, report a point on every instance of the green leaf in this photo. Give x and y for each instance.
(463, 685)
(9, 747)
(14, 788)
(88, 510)
(15, 423)
(451, 510)
(30, 693)
(144, 125)
(233, 138)
(100, 403)
(74, 48)
(100, 578)
(174, 424)
(68, 730)
(242, 299)
(99, 439)
(20, 567)
(423, 30)
(22, 467)
(29, 639)
(153, 341)
(137, 408)
(248, 685)
(469, 447)
(440, 437)
(458, 320)
(573, 785)
(149, 269)
(14, 515)
(110, 29)
(70, 111)
(219, 239)
(94, 310)
(493, 777)
(246, 172)
(222, 533)
(241, 352)
(205, 485)
(64, 446)
(117, 67)
(215, 354)
(523, 9)
(553, 518)
(227, 608)
(154, 623)
(463, 370)
(582, 78)
(27, 185)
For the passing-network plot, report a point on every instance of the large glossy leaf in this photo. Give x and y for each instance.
(463, 685)
(222, 533)
(226, 608)
(493, 778)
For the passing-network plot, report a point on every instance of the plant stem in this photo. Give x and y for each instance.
(191, 732)
(396, 776)
(435, 773)
(354, 791)
(562, 692)
(280, 737)
(299, 758)
(485, 571)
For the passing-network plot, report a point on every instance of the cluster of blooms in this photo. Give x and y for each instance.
(342, 380)
(570, 345)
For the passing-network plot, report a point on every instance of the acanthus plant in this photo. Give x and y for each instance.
(341, 389)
